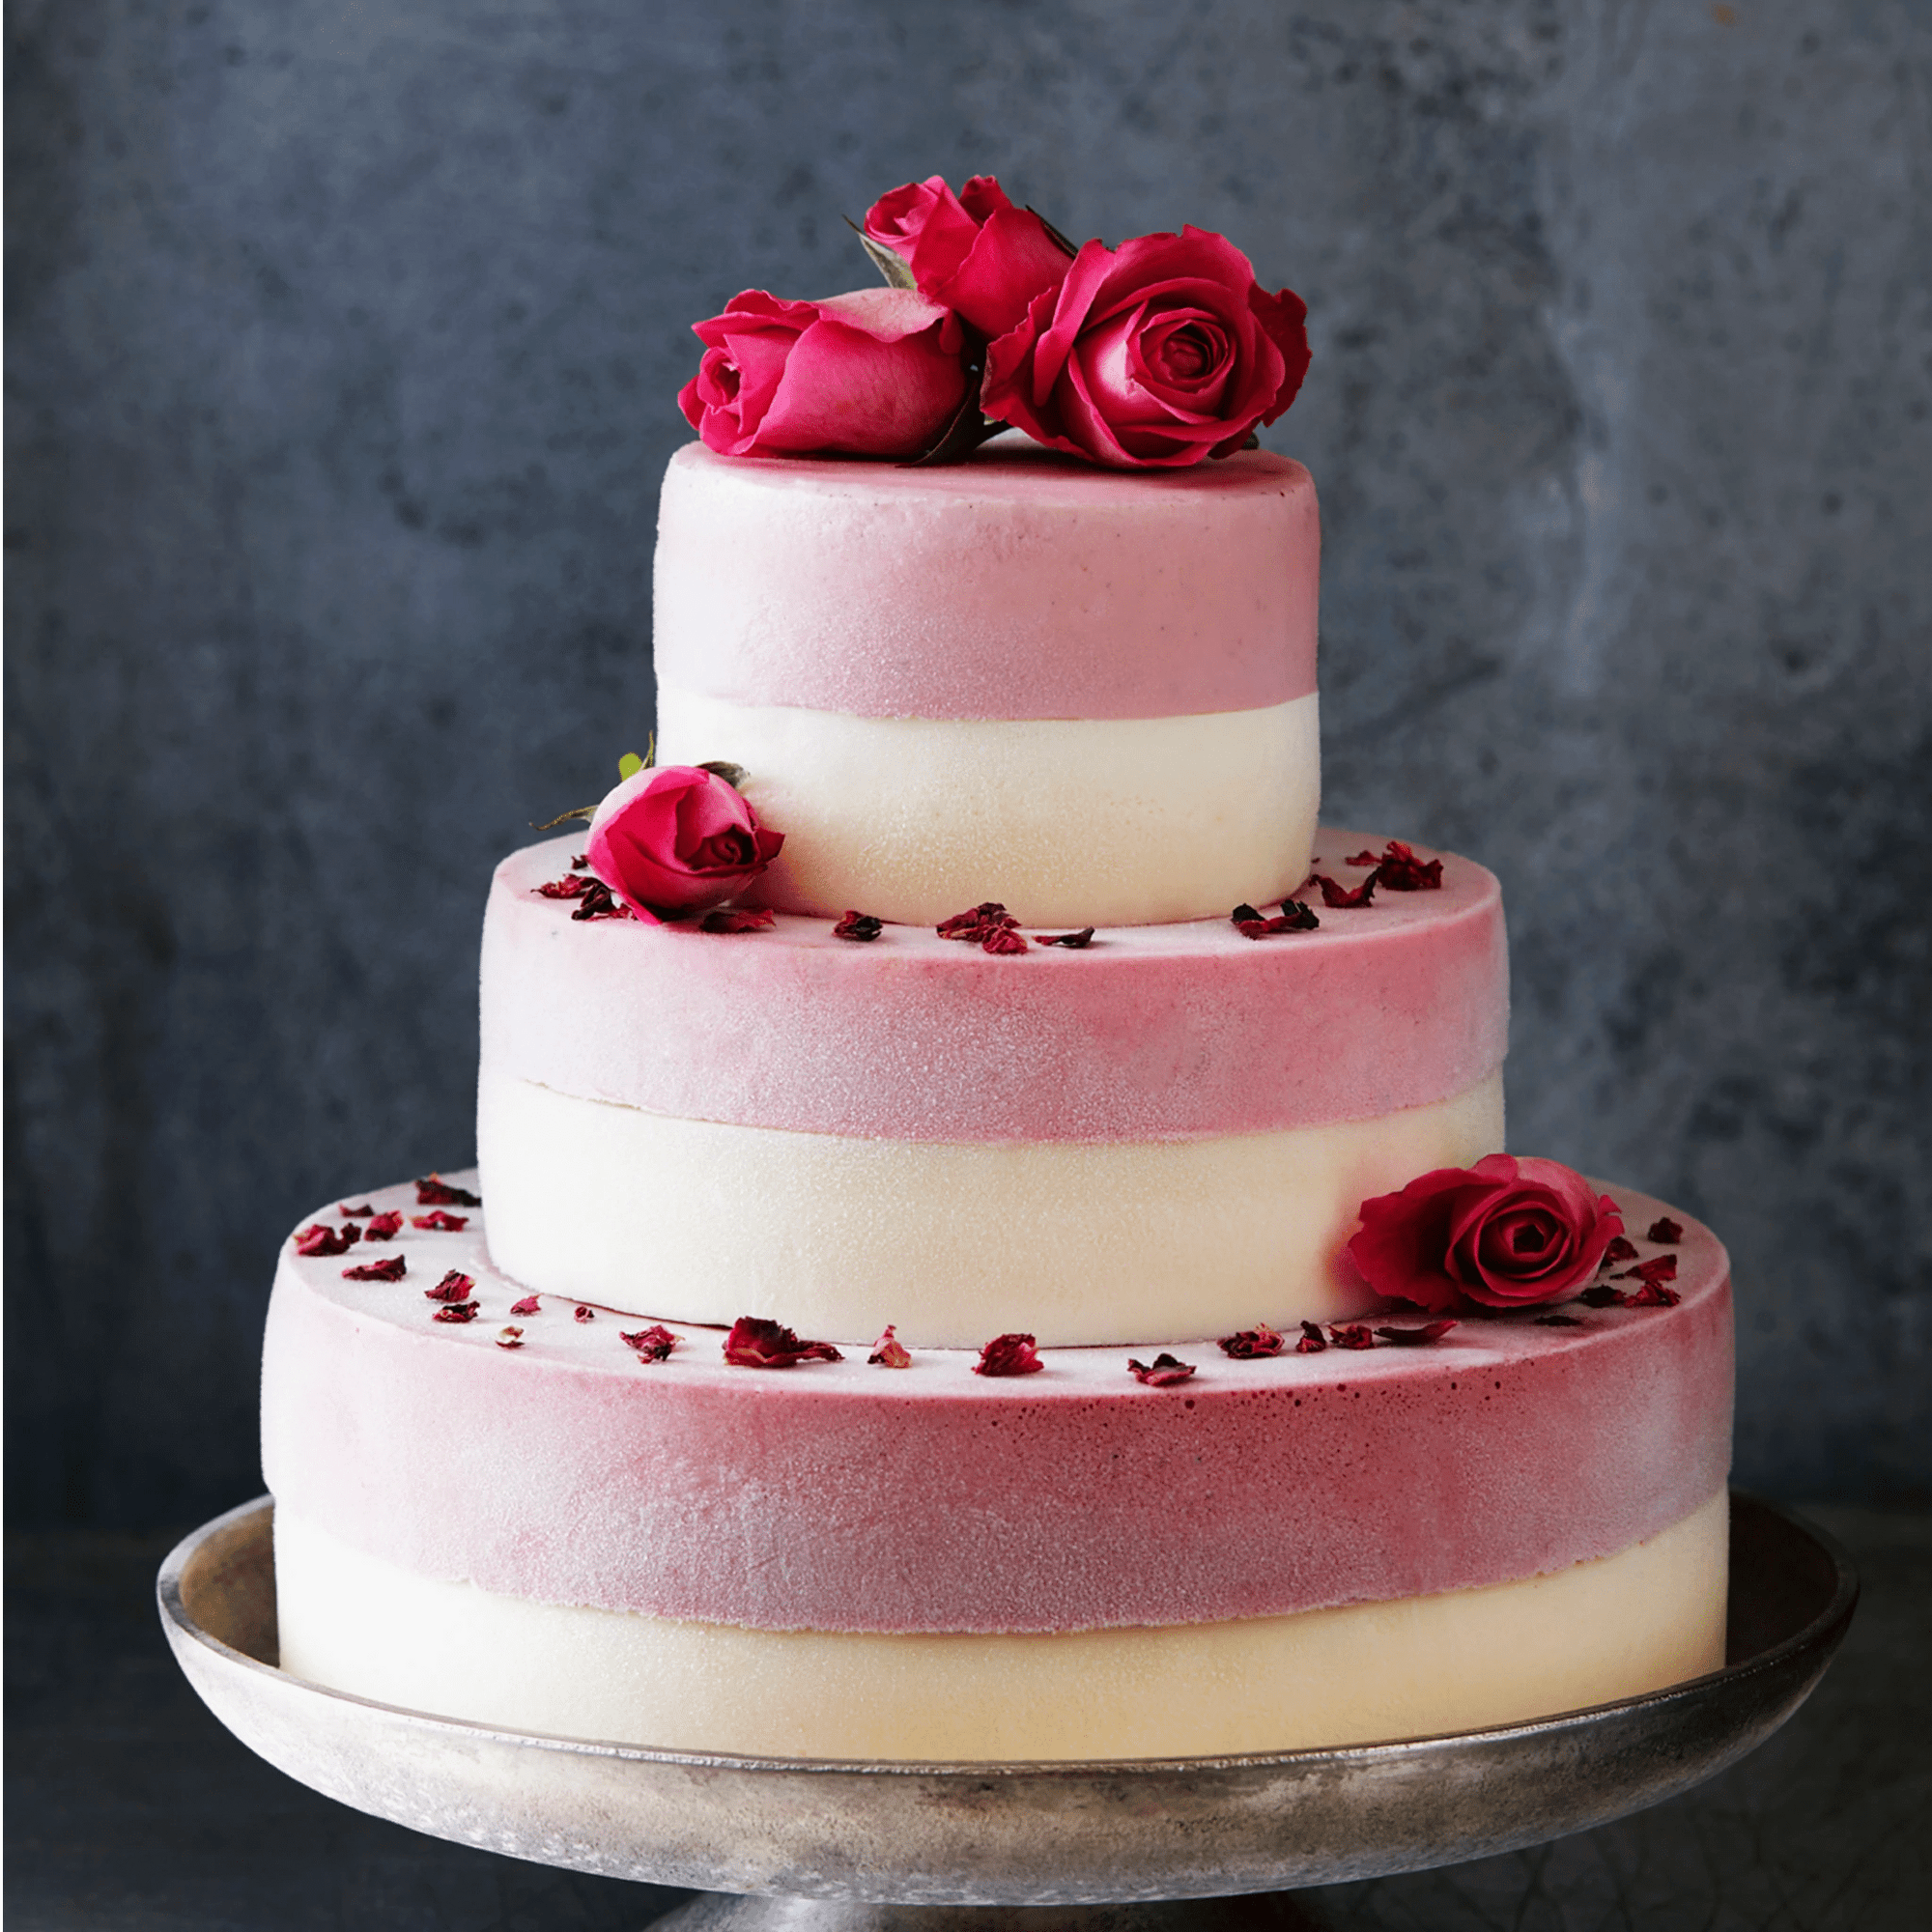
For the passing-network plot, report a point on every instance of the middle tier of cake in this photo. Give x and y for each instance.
(1164, 1135)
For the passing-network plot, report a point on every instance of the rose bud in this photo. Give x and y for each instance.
(1505, 1234)
(878, 373)
(1164, 350)
(972, 252)
(677, 839)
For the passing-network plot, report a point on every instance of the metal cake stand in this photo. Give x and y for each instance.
(901, 1845)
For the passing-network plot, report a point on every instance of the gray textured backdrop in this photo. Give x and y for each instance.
(345, 342)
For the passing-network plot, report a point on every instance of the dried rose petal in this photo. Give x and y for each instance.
(1558, 1321)
(585, 1314)
(509, 1338)
(383, 1228)
(1294, 918)
(652, 1345)
(437, 1192)
(1350, 1335)
(1163, 1371)
(972, 925)
(1654, 1294)
(1244, 914)
(527, 1306)
(1009, 1355)
(456, 1311)
(600, 903)
(367, 1208)
(392, 1267)
(1621, 1249)
(1311, 1342)
(1245, 1345)
(1402, 872)
(317, 1239)
(564, 889)
(1601, 1294)
(453, 1286)
(1415, 1338)
(889, 1353)
(734, 919)
(1004, 938)
(1333, 895)
(1657, 1268)
(861, 925)
(1362, 859)
(756, 1342)
(1662, 1229)
(1074, 941)
(577, 863)
(441, 1222)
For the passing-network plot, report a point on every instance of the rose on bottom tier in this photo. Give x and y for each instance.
(521, 1518)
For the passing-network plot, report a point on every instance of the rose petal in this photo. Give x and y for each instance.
(1247, 1345)
(889, 1352)
(1163, 1371)
(392, 1267)
(1009, 1355)
(756, 1342)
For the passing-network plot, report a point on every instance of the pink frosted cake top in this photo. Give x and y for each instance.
(1150, 1033)
(1018, 584)
(844, 1497)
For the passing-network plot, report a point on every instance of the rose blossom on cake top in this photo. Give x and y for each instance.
(677, 839)
(875, 372)
(1161, 351)
(974, 252)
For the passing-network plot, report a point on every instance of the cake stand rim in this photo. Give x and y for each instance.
(1825, 1629)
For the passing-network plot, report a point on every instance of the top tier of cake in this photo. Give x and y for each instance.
(1087, 694)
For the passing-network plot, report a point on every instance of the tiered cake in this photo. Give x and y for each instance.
(545, 1497)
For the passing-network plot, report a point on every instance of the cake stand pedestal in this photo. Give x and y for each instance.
(889, 1846)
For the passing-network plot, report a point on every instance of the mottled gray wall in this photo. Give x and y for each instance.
(345, 343)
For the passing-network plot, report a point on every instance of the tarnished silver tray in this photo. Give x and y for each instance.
(953, 1835)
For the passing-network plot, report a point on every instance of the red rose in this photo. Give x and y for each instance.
(877, 373)
(676, 841)
(974, 252)
(1505, 1233)
(1163, 351)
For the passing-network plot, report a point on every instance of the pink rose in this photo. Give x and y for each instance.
(1163, 351)
(1507, 1234)
(974, 252)
(876, 373)
(677, 841)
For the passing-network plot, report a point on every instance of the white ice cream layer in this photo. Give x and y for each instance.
(1651, 1615)
(835, 1236)
(1064, 821)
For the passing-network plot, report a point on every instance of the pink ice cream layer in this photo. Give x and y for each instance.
(1150, 1033)
(1019, 584)
(842, 1496)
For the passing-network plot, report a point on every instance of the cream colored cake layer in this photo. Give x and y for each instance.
(1066, 821)
(1651, 1615)
(1072, 1242)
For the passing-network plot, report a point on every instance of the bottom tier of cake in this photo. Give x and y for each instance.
(568, 1518)
(1650, 1615)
